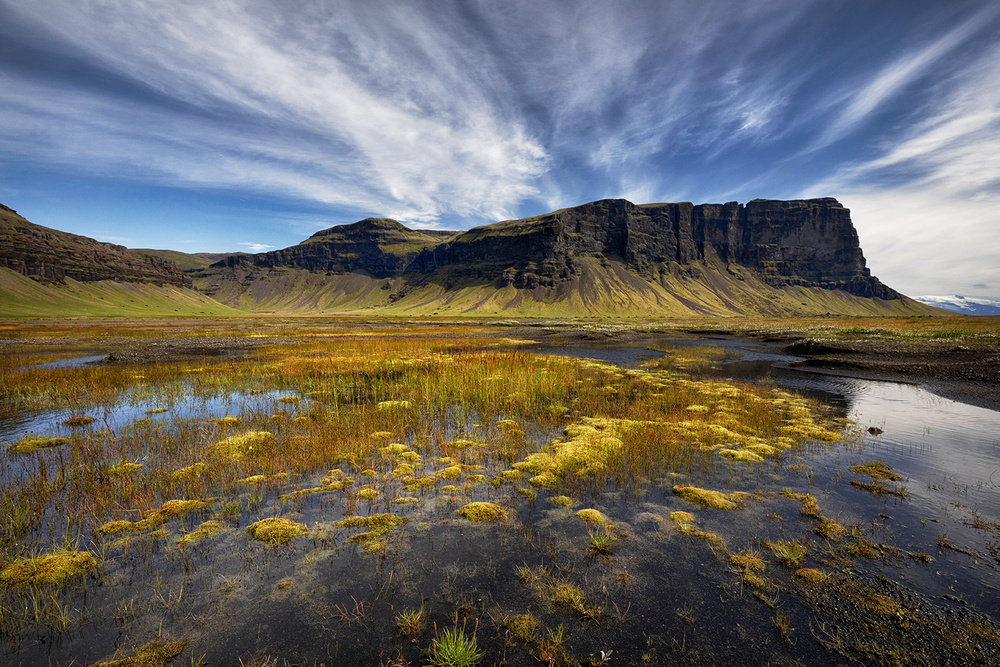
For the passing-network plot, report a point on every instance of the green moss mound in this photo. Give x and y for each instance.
(28, 445)
(56, 568)
(153, 654)
(276, 530)
(481, 512)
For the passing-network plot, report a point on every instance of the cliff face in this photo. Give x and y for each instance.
(804, 242)
(51, 255)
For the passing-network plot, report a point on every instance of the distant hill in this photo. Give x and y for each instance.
(45, 272)
(186, 261)
(49, 255)
(609, 257)
(966, 305)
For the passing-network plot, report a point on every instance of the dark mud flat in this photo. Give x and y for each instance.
(968, 374)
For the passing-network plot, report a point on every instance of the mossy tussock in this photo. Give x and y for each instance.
(276, 530)
(377, 527)
(51, 569)
(238, 447)
(153, 654)
(483, 512)
(30, 445)
(709, 498)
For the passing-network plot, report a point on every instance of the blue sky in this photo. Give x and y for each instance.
(223, 125)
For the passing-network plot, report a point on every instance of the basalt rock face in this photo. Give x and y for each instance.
(804, 242)
(380, 247)
(51, 255)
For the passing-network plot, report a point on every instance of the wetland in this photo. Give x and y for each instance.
(341, 491)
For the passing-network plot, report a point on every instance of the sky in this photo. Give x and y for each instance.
(225, 125)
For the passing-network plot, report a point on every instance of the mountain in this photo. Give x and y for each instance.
(185, 261)
(966, 305)
(46, 272)
(610, 257)
(50, 255)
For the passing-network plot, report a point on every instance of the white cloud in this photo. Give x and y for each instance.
(926, 208)
(255, 247)
(892, 78)
(393, 123)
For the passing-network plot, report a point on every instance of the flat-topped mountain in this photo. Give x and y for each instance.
(51, 255)
(606, 257)
(806, 242)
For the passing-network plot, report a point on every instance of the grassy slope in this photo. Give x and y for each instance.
(23, 297)
(601, 290)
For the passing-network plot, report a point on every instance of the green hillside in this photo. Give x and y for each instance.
(24, 297)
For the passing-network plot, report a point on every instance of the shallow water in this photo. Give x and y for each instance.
(665, 598)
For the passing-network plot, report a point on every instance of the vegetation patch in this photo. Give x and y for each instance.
(276, 530)
(877, 470)
(236, 447)
(592, 516)
(202, 531)
(55, 568)
(153, 654)
(879, 489)
(453, 649)
(28, 445)
(523, 628)
(709, 498)
(482, 512)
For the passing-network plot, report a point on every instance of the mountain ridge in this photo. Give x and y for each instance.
(604, 258)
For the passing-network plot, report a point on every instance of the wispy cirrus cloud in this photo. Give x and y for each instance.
(344, 110)
(456, 112)
(934, 191)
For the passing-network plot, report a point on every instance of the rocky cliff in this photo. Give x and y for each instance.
(50, 255)
(786, 243)
(768, 258)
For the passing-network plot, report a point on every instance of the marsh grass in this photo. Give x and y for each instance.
(382, 427)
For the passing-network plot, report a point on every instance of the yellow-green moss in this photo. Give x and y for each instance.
(79, 421)
(123, 468)
(592, 516)
(395, 405)
(682, 517)
(276, 530)
(394, 449)
(204, 530)
(228, 420)
(236, 447)
(402, 470)
(263, 479)
(482, 512)
(748, 561)
(28, 445)
(877, 470)
(708, 498)
(55, 568)
(561, 501)
(811, 575)
(189, 472)
(451, 472)
(154, 654)
(740, 455)
(523, 628)
(116, 527)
